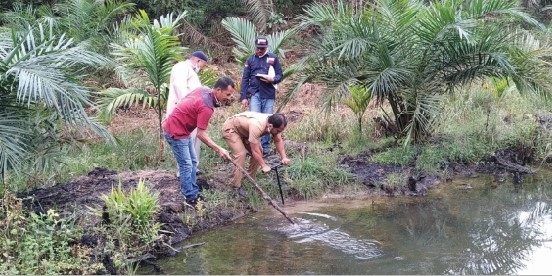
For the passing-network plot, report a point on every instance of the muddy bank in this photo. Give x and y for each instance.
(504, 164)
(75, 195)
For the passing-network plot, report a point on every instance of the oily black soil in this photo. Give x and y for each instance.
(503, 164)
(75, 195)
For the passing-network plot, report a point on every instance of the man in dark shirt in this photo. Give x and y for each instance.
(261, 72)
(194, 111)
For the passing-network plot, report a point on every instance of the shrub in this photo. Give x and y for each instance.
(40, 243)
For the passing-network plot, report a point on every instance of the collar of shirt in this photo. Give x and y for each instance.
(266, 53)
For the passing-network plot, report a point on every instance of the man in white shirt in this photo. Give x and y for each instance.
(184, 80)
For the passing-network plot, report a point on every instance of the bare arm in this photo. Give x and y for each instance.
(256, 153)
(279, 143)
(204, 137)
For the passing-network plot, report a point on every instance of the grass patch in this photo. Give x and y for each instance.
(397, 156)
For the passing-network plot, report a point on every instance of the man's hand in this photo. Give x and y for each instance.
(286, 161)
(245, 103)
(265, 169)
(222, 153)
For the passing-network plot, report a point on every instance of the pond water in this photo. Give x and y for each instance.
(468, 226)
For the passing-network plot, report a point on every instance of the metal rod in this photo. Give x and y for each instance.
(279, 185)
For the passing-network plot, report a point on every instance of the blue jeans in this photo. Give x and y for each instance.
(262, 106)
(184, 152)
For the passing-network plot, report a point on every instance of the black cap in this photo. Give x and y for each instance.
(201, 55)
(261, 42)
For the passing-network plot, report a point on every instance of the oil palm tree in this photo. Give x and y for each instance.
(410, 53)
(82, 20)
(244, 32)
(148, 47)
(92, 20)
(41, 95)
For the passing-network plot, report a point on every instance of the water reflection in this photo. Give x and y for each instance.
(483, 230)
(315, 230)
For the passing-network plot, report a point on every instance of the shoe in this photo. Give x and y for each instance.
(267, 152)
(200, 172)
(241, 191)
(193, 202)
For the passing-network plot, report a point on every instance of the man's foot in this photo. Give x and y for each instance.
(200, 172)
(195, 201)
(241, 191)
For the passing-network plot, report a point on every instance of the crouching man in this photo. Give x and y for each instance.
(242, 132)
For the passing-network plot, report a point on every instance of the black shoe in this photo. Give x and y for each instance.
(192, 202)
(200, 172)
(241, 191)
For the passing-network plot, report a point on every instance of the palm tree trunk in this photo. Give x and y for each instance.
(401, 117)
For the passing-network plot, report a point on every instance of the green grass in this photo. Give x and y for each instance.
(398, 156)
(135, 151)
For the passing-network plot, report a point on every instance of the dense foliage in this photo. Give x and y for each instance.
(410, 53)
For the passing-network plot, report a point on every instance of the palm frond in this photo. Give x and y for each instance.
(111, 11)
(488, 9)
(277, 39)
(294, 92)
(154, 49)
(243, 34)
(422, 108)
(323, 15)
(196, 36)
(115, 98)
(208, 77)
(260, 11)
(13, 148)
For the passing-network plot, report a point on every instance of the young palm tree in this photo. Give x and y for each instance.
(244, 33)
(410, 53)
(148, 47)
(358, 102)
(40, 94)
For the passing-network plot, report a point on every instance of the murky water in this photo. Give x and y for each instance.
(471, 226)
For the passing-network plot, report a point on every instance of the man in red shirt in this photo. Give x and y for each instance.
(194, 111)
